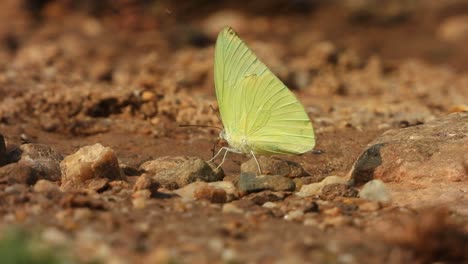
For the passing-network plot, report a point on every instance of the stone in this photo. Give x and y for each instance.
(423, 165)
(45, 186)
(411, 153)
(161, 164)
(316, 188)
(185, 172)
(145, 182)
(232, 208)
(331, 191)
(310, 189)
(295, 215)
(370, 206)
(274, 166)
(270, 205)
(454, 28)
(202, 191)
(44, 160)
(363, 170)
(229, 187)
(375, 190)
(17, 173)
(98, 185)
(89, 162)
(249, 182)
(266, 196)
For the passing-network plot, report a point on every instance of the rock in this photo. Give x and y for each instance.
(369, 206)
(140, 198)
(42, 159)
(274, 166)
(294, 215)
(363, 170)
(17, 173)
(185, 172)
(145, 182)
(89, 162)
(307, 180)
(375, 190)
(423, 165)
(270, 205)
(249, 182)
(409, 154)
(454, 28)
(228, 187)
(331, 191)
(232, 208)
(98, 185)
(267, 196)
(202, 191)
(158, 165)
(45, 186)
(316, 188)
(310, 189)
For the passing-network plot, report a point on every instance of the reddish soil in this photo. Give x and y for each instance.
(127, 74)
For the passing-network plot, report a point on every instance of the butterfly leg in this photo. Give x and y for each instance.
(258, 165)
(224, 157)
(217, 154)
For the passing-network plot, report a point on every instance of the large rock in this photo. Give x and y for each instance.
(274, 166)
(424, 163)
(88, 163)
(176, 172)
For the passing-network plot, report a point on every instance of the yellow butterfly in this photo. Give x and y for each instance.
(259, 113)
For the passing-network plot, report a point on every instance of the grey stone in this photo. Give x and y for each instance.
(249, 182)
(375, 190)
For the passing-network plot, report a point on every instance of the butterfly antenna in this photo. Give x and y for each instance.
(188, 125)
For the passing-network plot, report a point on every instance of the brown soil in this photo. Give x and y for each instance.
(127, 74)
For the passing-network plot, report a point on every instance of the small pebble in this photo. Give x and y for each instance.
(311, 222)
(232, 208)
(270, 205)
(294, 215)
(45, 186)
(139, 203)
(369, 206)
(375, 190)
(332, 211)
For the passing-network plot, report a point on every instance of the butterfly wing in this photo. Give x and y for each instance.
(255, 104)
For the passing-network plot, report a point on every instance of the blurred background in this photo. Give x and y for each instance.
(432, 30)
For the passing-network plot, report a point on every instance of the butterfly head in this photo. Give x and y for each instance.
(222, 134)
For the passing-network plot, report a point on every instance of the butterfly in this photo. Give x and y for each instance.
(260, 115)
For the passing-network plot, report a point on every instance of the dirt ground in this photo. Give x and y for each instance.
(126, 74)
